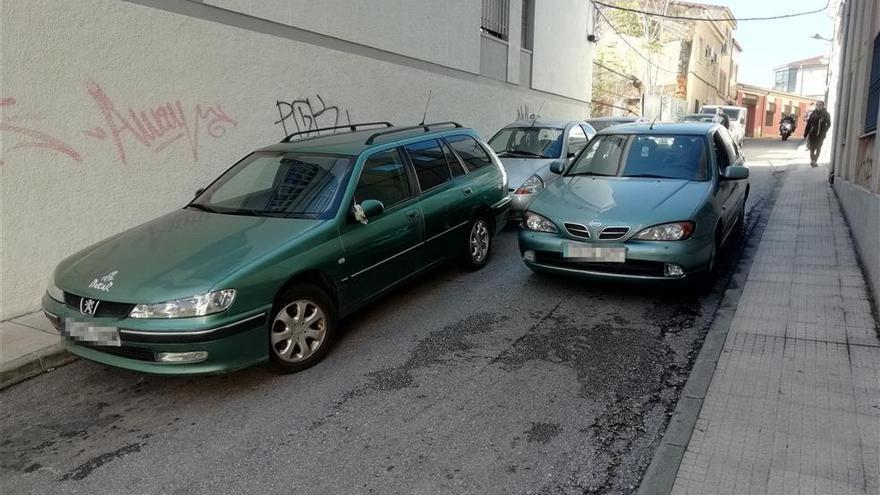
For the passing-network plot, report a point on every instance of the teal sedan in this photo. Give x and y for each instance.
(640, 202)
(263, 263)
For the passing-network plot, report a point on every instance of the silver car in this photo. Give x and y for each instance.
(528, 147)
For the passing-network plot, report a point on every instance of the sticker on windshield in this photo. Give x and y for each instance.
(104, 283)
(645, 151)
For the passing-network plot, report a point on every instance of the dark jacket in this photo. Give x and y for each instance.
(817, 125)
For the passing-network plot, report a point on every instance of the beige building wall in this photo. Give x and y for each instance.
(114, 112)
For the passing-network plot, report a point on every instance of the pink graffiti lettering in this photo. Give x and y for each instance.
(32, 138)
(156, 127)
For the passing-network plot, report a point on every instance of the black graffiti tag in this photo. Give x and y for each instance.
(302, 115)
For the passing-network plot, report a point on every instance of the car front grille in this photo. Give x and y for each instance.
(577, 230)
(105, 308)
(136, 353)
(629, 267)
(611, 233)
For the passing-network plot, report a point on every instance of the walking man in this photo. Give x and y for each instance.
(817, 126)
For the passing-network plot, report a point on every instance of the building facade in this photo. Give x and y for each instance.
(808, 77)
(766, 107)
(855, 159)
(114, 112)
(682, 64)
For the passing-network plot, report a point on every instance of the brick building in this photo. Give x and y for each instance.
(766, 108)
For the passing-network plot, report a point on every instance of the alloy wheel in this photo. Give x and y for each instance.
(479, 241)
(298, 330)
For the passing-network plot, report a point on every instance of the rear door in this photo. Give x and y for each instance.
(441, 199)
(385, 250)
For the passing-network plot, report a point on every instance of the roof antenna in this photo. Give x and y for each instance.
(537, 115)
(652, 124)
(426, 109)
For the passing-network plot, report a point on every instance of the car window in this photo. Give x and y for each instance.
(384, 179)
(589, 130)
(303, 185)
(470, 151)
(601, 156)
(528, 142)
(430, 163)
(577, 139)
(454, 164)
(729, 147)
(666, 156)
(721, 155)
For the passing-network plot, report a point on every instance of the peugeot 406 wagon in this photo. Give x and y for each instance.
(264, 261)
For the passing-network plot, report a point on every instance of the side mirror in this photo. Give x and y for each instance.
(199, 191)
(372, 208)
(557, 167)
(735, 172)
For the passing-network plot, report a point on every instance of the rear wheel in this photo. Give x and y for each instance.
(479, 244)
(302, 329)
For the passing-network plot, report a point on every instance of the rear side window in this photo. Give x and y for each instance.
(470, 151)
(430, 163)
(454, 165)
(383, 179)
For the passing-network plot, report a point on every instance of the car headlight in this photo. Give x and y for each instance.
(675, 231)
(532, 185)
(533, 221)
(54, 292)
(201, 305)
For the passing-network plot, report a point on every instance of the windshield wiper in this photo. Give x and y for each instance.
(597, 174)
(201, 207)
(648, 176)
(521, 153)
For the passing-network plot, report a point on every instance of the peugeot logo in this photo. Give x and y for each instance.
(595, 224)
(88, 306)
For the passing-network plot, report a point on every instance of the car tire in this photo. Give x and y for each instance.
(478, 244)
(302, 328)
(704, 280)
(740, 227)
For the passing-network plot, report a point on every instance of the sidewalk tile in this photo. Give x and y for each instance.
(36, 320)
(17, 341)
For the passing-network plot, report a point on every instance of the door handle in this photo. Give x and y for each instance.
(723, 207)
(412, 215)
(467, 191)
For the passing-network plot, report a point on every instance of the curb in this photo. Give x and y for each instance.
(33, 364)
(660, 475)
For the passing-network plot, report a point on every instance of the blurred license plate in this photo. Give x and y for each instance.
(582, 252)
(89, 332)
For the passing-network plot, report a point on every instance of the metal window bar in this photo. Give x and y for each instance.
(494, 18)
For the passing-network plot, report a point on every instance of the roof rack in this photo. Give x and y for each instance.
(426, 127)
(353, 128)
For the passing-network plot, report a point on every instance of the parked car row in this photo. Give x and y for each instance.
(262, 264)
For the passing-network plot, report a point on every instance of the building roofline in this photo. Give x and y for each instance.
(750, 88)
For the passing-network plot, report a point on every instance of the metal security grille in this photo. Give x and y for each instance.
(873, 88)
(495, 16)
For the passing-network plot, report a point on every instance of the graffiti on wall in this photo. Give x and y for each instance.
(524, 112)
(156, 127)
(307, 115)
(29, 137)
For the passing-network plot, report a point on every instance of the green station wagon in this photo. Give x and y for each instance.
(264, 261)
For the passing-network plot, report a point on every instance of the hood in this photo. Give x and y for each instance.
(180, 254)
(620, 201)
(520, 169)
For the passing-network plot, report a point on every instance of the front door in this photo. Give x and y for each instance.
(724, 156)
(385, 249)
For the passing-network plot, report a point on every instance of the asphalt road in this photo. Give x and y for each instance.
(499, 381)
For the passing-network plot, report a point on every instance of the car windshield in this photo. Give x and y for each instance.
(698, 118)
(653, 156)
(528, 142)
(296, 185)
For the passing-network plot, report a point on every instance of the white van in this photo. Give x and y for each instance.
(737, 116)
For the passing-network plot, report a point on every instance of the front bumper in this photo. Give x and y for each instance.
(231, 341)
(645, 260)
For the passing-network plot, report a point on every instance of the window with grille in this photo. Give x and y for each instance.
(494, 18)
(873, 89)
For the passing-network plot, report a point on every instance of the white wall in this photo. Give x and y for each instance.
(75, 73)
(562, 61)
(446, 33)
(811, 82)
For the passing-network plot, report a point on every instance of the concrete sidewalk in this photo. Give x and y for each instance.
(29, 345)
(794, 402)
